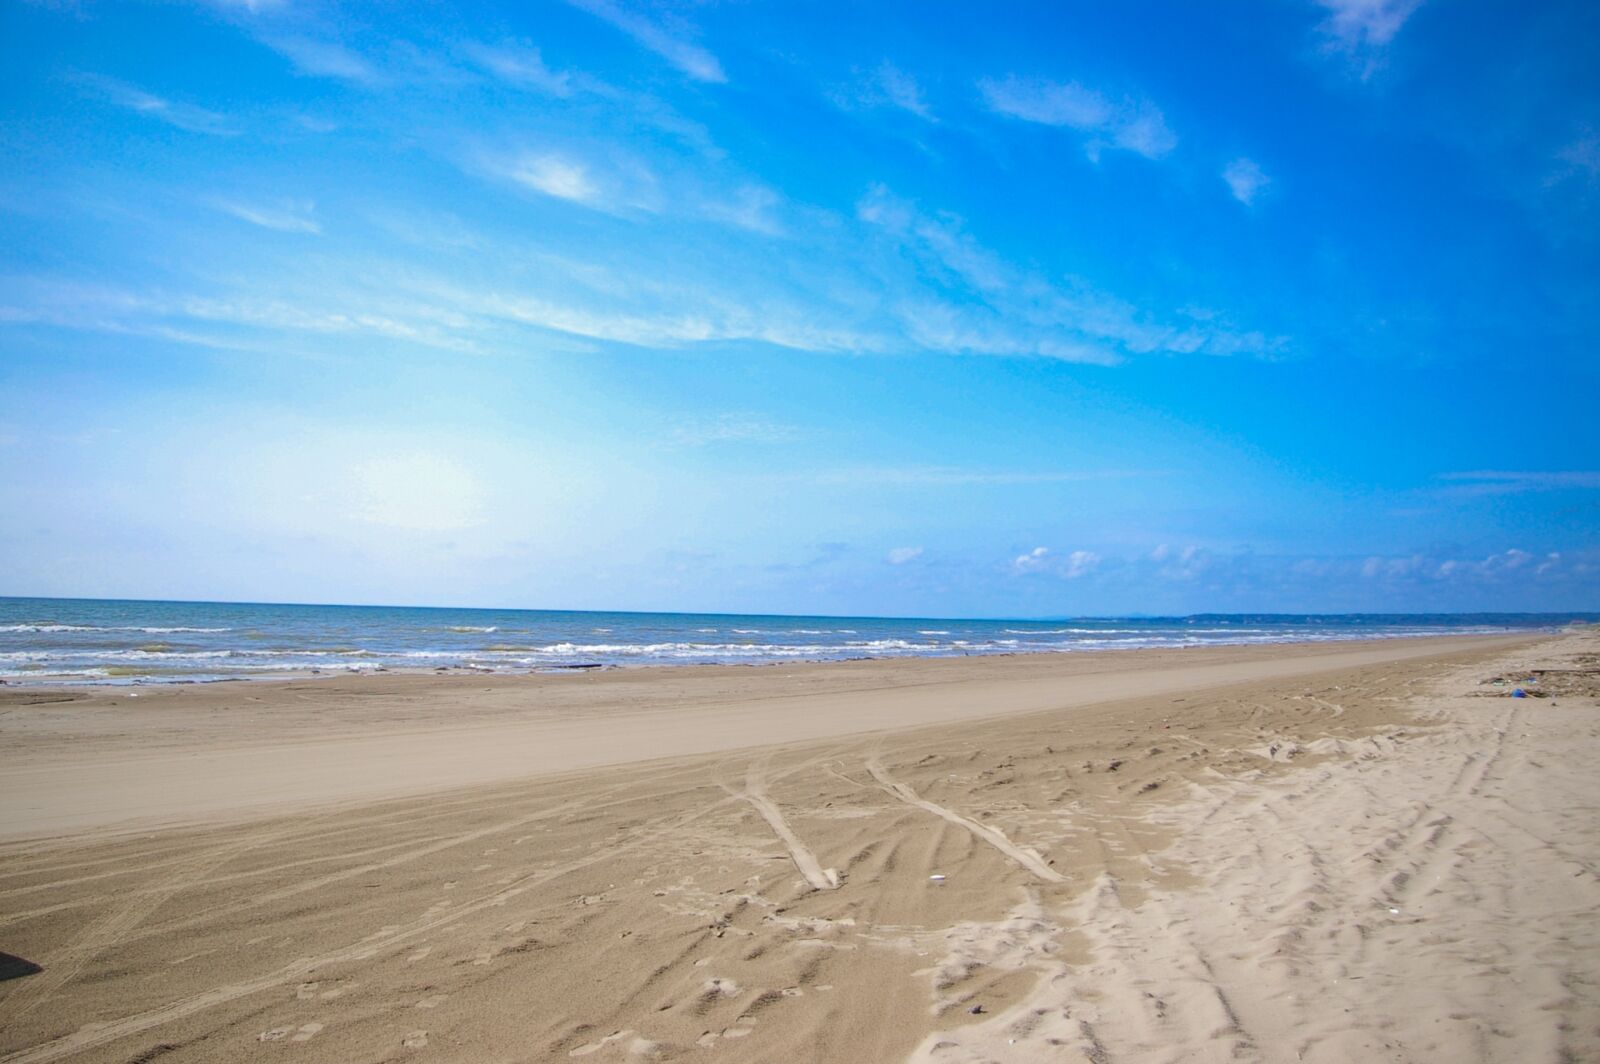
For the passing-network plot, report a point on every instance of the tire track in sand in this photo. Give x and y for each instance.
(100, 1034)
(993, 836)
(755, 792)
(115, 926)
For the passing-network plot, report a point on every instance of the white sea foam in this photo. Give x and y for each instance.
(281, 642)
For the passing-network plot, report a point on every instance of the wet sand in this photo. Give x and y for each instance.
(1353, 851)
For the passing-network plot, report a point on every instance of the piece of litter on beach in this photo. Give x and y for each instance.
(937, 878)
(1395, 911)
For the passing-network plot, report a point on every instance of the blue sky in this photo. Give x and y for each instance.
(920, 309)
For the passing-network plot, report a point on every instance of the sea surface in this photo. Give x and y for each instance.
(110, 641)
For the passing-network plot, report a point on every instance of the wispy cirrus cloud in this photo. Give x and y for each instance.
(902, 90)
(752, 207)
(1129, 124)
(231, 319)
(1362, 30)
(558, 176)
(975, 301)
(933, 476)
(884, 86)
(521, 64)
(732, 428)
(293, 216)
(1245, 179)
(609, 182)
(671, 40)
(184, 116)
(1503, 482)
(1574, 173)
(323, 58)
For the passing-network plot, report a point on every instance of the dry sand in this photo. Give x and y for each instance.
(1334, 853)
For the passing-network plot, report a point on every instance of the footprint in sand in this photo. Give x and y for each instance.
(306, 1033)
(306, 991)
(415, 1040)
(432, 1002)
(595, 1047)
(275, 1034)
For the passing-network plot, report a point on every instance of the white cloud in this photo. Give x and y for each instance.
(901, 90)
(557, 176)
(687, 320)
(611, 182)
(1364, 23)
(1361, 30)
(1040, 559)
(1175, 563)
(974, 301)
(182, 116)
(669, 43)
(1245, 180)
(902, 555)
(1503, 482)
(352, 313)
(958, 477)
(1130, 124)
(1582, 156)
(1035, 559)
(286, 217)
(883, 86)
(750, 207)
(520, 64)
(887, 87)
(732, 428)
(323, 59)
(1079, 563)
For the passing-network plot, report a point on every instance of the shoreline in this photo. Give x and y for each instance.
(91, 758)
(67, 681)
(1325, 854)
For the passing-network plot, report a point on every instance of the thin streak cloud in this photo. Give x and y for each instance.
(671, 43)
(1129, 124)
(184, 116)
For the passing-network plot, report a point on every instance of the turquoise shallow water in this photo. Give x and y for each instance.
(110, 641)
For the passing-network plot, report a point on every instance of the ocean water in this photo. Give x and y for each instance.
(109, 641)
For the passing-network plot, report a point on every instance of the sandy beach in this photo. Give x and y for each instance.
(1333, 852)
